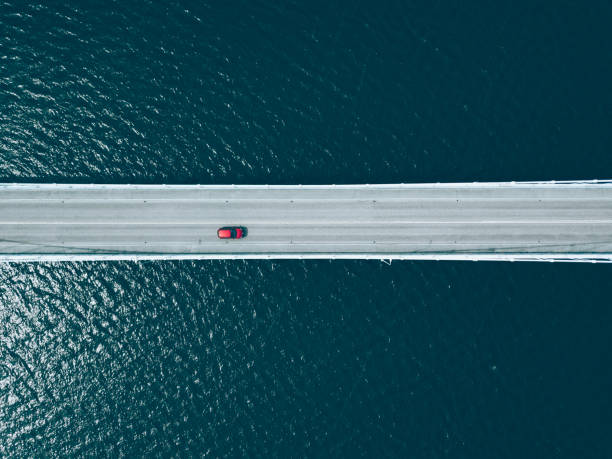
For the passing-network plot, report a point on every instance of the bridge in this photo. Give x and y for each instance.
(552, 221)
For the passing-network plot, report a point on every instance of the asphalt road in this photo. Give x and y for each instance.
(474, 221)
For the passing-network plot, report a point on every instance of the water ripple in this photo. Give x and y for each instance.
(303, 358)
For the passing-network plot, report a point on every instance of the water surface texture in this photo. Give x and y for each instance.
(305, 358)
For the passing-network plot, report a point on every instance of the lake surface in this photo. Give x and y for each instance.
(305, 358)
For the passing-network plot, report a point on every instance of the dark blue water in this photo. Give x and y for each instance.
(305, 358)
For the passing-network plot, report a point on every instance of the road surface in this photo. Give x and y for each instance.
(478, 221)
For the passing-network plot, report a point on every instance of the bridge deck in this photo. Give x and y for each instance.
(457, 221)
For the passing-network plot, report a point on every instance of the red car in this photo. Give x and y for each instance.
(231, 232)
